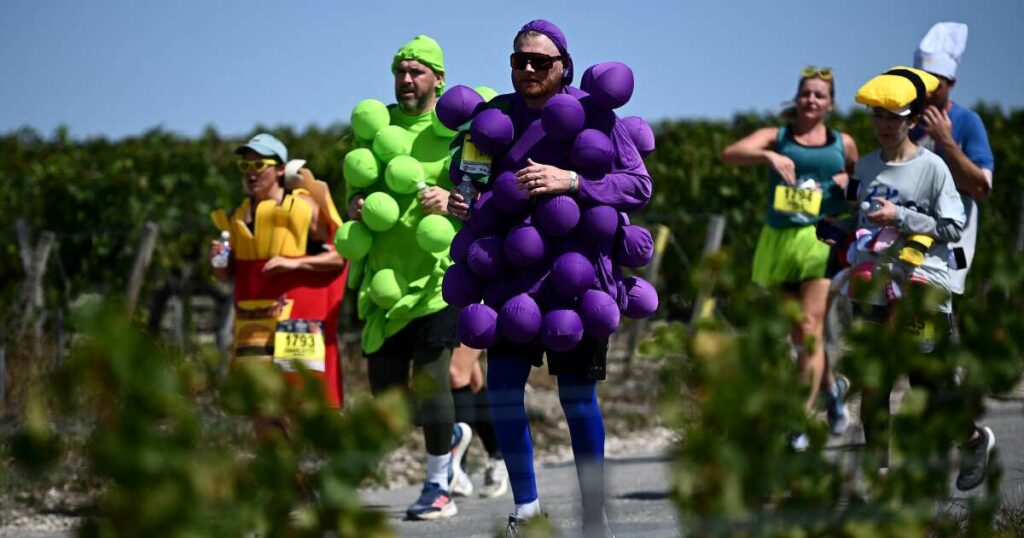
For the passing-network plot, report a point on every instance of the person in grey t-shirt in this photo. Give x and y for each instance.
(911, 190)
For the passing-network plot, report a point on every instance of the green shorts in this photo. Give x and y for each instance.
(789, 256)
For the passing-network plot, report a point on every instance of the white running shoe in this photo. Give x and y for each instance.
(459, 483)
(495, 479)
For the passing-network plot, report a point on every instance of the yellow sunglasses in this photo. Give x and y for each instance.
(259, 166)
(811, 71)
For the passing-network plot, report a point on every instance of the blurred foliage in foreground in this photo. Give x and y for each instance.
(176, 456)
(735, 394)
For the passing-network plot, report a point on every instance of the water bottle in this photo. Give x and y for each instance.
(468, 192)
(221, 259)
(871, 206)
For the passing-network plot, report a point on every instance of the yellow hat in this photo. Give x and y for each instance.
(900, 90)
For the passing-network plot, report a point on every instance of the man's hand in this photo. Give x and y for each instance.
(280, 264)
(434, 201)
(355, 207)
(457, 206)
(937, 124)
(884, 215)
(537, 179)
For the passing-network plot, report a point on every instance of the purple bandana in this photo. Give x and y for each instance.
(549, 29)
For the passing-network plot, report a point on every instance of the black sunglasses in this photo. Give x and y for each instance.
(539, 62)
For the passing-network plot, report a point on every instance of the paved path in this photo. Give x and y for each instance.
(638, 488)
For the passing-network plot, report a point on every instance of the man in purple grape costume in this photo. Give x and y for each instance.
(543, 245)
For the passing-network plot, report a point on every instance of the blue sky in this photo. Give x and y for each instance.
(118, 68)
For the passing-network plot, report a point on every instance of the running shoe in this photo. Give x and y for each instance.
(434, 503)
(974, 458)
(459, 483)
(495, 479)
(836, 411)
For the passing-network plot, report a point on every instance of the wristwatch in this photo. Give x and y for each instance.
(574, 182)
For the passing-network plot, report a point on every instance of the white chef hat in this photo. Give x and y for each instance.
(940, 50)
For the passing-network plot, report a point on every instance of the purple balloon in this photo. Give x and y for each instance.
(635, 246)
(508, 197)
(598, 225)
(640, 298)
(572, 274)
(492, 131)
(478, 326)
(600, 314)
(561, 330)
(486, 257)
(457, 105)
(641, 134)
(562, 117)
(623, 219)
(459, 249)
(557, 215)
(461, 287)
(484, 218)
(592, 153)
(610, 84)
(524, 247)
(519, 319)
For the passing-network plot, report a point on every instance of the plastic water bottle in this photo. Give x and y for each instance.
(221, 259)
(468, 192)
(871, 206)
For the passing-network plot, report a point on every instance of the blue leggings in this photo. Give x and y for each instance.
(506, 379)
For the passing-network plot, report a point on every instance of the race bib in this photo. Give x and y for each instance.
(473, 160)
(792, 200)
(299, 340)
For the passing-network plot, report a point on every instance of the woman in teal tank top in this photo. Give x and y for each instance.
(808, 165)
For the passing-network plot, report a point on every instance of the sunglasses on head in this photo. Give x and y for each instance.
(811, 71)
(539, 62)
(257, 166)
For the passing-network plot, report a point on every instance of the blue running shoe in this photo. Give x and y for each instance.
(434, 503)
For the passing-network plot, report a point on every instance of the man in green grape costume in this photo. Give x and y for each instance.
(397, 188)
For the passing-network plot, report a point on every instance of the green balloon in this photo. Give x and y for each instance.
(404, 174)
(486, 92)
(439, 128)
(434, 233)
(361, 168)
(353, 240)
(380, 211)
(390, 142)
(368, 117)
(386, 288)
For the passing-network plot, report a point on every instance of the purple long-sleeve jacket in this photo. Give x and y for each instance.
(626, 188)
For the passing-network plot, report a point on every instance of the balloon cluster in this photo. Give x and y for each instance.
(534, 264)
(385, 152)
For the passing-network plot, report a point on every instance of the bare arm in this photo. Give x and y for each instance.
(758, 148)
(969, 177)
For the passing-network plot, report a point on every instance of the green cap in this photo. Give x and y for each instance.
(424, 50)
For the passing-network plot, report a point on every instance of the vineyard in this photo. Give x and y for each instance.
(170, 423)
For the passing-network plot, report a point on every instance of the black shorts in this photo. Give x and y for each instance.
(433, 331)
(589, 358)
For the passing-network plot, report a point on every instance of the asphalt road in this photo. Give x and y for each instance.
(638, 485)
(638, 504)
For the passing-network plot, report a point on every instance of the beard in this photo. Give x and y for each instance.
(536, 88)
(414, 104)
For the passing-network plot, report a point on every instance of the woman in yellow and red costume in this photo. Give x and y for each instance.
(289, 280)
